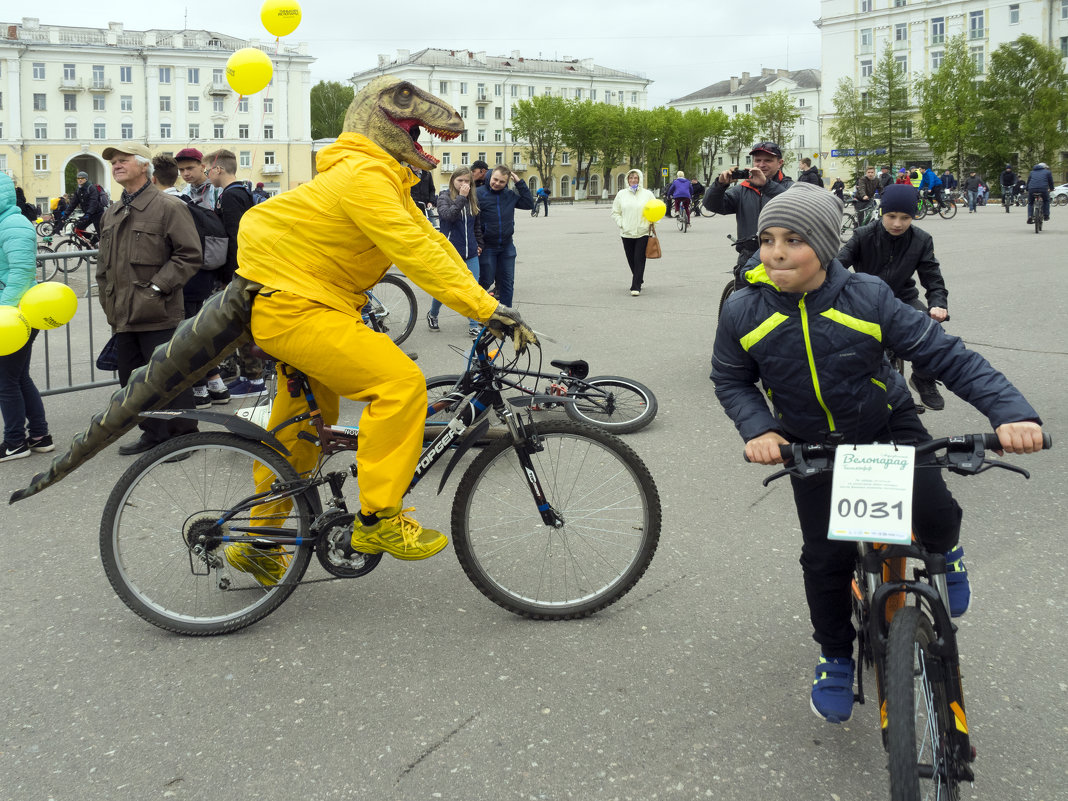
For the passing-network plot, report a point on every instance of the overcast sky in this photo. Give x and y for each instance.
(680, 46)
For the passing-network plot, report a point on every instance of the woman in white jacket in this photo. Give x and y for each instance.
(627, 211)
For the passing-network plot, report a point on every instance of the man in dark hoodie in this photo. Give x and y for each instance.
(809, 174)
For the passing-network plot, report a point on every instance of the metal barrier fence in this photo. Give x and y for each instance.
(70, 352)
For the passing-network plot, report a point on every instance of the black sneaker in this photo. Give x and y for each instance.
(219, 398)
(41, 444)
(432, 322)
(201, 401)
(928, 391)
(9, 451)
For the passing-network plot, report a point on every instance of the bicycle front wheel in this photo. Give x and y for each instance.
(394, 304)
(45, 228)
(849, 224)
(46, 270)
(162, 547)
(918, 719)
(71, 263)
(726, 293)
(948, 210)
(599, 488)
(611, 402)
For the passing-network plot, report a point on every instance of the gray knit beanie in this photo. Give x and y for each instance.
(808, 210)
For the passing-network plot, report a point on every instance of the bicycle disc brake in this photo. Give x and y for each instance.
(333, 549)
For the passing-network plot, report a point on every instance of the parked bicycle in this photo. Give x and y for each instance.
(613, 403)
(555, 520)
(392, 306)
(905, 631)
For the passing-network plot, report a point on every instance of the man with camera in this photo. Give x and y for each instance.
(745, 200)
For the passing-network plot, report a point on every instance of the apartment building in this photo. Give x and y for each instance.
(66, 93)
(484, 89)
(738, 95)
(854, 33)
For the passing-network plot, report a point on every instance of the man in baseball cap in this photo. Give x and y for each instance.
(198, 187)
(129, 148)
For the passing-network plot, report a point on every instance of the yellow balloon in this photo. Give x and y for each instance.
(249, 70)
(654, 210)
(280, 17)
(49, 305)
(14, 330)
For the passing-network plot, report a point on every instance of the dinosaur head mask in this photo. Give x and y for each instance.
(391, 112)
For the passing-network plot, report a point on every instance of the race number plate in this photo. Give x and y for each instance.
(871, 497)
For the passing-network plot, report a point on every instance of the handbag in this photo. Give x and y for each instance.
(652, 245)
(108, 360)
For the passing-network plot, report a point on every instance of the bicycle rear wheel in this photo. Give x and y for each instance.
(46, 270)
(150, 533)
(394, 304)
(849, 224)
(71, 263)
(601, 490)
(613, 403)
(948, 210)
(726, 293)
(918, 719)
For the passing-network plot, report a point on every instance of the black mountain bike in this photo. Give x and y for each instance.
(905, 633)
(553, 520)
(392, 305)
(1035, 203)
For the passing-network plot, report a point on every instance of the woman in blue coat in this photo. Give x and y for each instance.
(20, 402)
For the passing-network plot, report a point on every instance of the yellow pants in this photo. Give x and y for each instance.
(342, 356)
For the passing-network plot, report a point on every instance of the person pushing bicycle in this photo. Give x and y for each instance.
(813, 335)
(892, 249)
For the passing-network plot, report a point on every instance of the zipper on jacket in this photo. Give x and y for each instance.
(812, 361)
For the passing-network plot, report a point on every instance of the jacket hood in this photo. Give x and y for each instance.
(350, 144)
(641, 179)
(7, 194)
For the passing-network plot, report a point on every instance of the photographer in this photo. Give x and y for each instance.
(745, 200)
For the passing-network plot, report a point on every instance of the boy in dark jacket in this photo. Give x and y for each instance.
(812, 334)
(893, 250)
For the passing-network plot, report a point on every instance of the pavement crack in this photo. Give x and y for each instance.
(413, 765)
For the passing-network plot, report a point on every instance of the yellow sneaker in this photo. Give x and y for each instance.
(266, 565)
(399, 536)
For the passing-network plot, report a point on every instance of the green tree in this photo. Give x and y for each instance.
(638, 132)
(891, 115)
(663, 122)
(851, 127)
(1025, 103)
(329, 102)
(580, 133)
(692, 128)
(742, 133)
(611, 144)
(949, 106)
(776, 117)
(715, 141)
(538, 122)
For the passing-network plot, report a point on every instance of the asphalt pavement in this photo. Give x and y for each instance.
(408, 684)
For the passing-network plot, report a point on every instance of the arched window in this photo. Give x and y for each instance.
(532, 183)
(595, 185)
(621, 181)
(565, 187)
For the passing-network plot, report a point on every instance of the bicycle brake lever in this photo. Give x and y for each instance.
(775, 476)
(1007, 466)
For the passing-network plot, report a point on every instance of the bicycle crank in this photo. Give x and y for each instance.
(333, 550)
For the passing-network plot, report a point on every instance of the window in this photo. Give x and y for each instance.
(126, 130)
(748, 107)
(1014, 14)
(217, 131)
(801, 102)
(530, 92)
(218, 76)
(734, 109)
(192, 103)
(936, 59)
(268, 105)
(70, 130)
(217, 106)
(865, 6)
(976, 29)
(800, 140)
(1064, 9)
(126, 103)
(98, 76)
(938, 30)
(40, 162)
(498, 89)
(902, 64)
(1, 105)
(164, 103)
(481, 91)
(548, 91)
(443, 87)
(192, 75)
(498, 113)
(446, 160)
(482, 155)
(515, 90)
(899, 3)
(463, 112)
(194, 130)
(977, 58)
(164, 130)
(40, 102)
(68, 72)
(100, 103)
(268, 157)
(498, 135)
(481, 135)
(465, 158)
(565, 157)
(125, 74)
(515, 159)
(578, 93)
(164, 74)
(865, 68)
(70, 102)
(268, 132)
(38, 71)
(100, 130)
(907, 129)
(1064, 47)
(242, 132)
(901, 32)
(242, 105)
(865, 100)
(244, 159)
(498, 157)
(634, 98)
(865, 40)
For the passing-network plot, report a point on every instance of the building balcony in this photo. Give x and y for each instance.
(519, 167)
(71, 85)
(482, 98)
(271, 169)
(100, 86)
(443, 167)
(218, 88)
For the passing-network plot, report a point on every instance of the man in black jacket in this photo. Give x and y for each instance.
(892, 249)
(809, 174)
(746, 199)
(1008, 182)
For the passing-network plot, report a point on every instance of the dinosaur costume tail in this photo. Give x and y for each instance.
(198, 344)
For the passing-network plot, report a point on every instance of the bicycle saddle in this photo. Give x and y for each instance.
(577, 368)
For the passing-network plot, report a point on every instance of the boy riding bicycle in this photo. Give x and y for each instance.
(814, 336)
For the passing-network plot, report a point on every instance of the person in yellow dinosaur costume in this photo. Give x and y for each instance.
(316, 250)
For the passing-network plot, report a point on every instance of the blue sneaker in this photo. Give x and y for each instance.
(832, 690)
(960, 590)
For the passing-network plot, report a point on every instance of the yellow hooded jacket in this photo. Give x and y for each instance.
(334, 237)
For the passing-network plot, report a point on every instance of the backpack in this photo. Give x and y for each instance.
(105, 198)
(213, 239)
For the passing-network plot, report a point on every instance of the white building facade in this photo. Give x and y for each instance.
(484, 90)
(738, 95)
(67, 93)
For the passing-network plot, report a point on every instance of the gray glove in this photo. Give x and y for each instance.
(506, 322)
